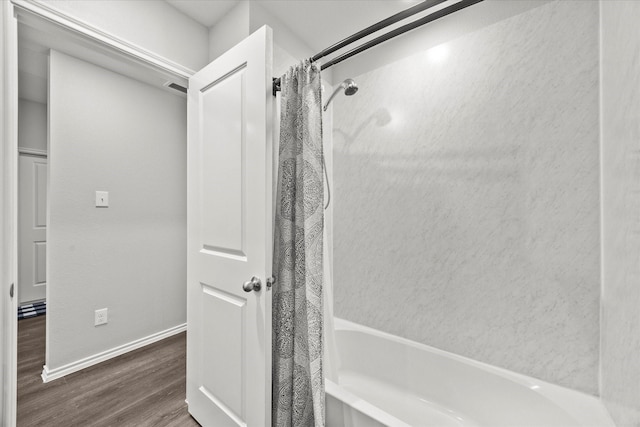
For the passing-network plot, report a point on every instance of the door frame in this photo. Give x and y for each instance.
(9, 212)
(41, 16)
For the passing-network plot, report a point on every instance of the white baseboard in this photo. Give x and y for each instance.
(52, 374)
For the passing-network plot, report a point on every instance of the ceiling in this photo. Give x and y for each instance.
(206, 12)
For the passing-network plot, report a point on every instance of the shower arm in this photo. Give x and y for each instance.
(335, 92)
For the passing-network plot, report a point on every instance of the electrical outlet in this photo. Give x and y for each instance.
(101, 317)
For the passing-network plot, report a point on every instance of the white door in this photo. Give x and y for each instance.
(229, 228)
(32, 228)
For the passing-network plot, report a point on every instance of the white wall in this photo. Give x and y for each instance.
(32, 125)
(246, 18)
(109, 132)
(283, 37)
(620, 342)
(230, 30)
(466, 195)
(152, 25)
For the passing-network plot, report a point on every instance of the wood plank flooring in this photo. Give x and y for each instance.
(145, 387)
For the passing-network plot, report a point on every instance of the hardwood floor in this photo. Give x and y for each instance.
(145, 387)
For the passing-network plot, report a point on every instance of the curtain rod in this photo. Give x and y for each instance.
(391, 34)
(376, 27)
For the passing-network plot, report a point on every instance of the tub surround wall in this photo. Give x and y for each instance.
(620, 345)
(466, 192)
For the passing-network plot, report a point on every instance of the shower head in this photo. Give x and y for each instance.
(349, 86)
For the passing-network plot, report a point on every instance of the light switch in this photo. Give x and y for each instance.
(102, 199)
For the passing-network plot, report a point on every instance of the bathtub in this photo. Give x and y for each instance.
(385, 380)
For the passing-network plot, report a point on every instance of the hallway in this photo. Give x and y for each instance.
(145, 387)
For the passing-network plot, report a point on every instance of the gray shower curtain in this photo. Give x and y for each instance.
(298, 379)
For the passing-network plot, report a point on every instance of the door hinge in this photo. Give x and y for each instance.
(11, 291)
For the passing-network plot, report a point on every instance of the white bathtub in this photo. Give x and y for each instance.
(385, 380)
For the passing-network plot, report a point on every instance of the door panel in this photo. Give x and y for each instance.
(226, 384)
(32, 228)
(223, 162)
(40, 263)
(40, 189)
(230, 237)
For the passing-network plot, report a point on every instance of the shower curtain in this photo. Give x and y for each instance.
(298, 378)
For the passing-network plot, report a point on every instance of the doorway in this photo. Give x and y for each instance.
(32, 210)
(107, 125)
(32, 177)
(98, 49)
(32, 233)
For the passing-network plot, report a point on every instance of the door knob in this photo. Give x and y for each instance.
(252, 285)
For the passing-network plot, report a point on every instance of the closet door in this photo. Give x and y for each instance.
(230, 237)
